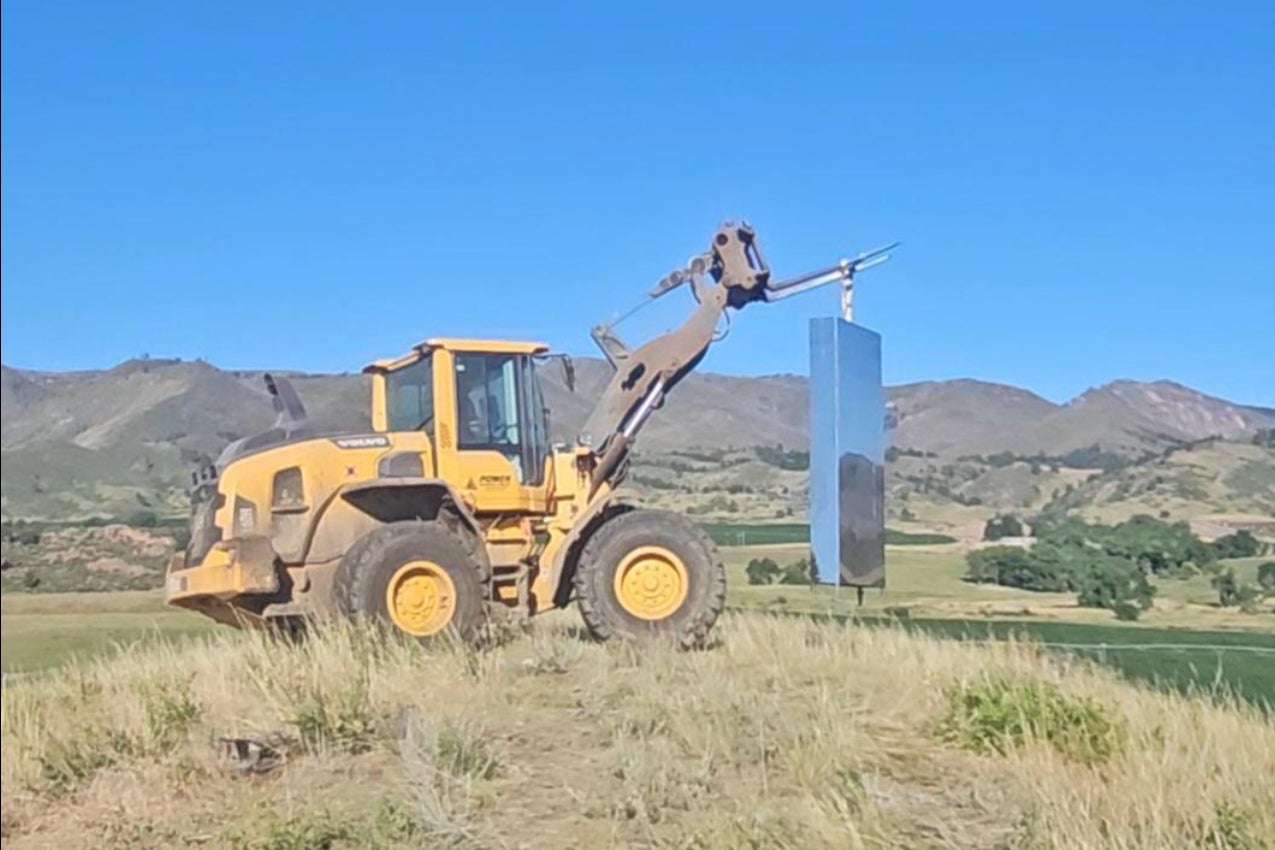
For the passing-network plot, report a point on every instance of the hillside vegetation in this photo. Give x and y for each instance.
(111, 442)
(786, 734)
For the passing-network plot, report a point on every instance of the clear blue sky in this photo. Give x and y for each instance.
(1086, 191)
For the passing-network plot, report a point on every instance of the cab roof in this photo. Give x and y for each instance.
(482, 346)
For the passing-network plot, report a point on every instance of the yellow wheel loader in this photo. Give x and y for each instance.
(456, 501)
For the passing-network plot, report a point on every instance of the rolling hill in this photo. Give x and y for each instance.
(114, 441)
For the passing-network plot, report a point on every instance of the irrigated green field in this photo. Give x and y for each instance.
(45, 630)
(1185, 642)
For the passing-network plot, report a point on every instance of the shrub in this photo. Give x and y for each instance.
(342, 721)
(1232, 829)
(762, 571)
(170, 709)
(1266, 576)
(1227, 587)
(1001, 459)
(67, 762)
(792, 460)
(1126, 611)
(308, 831)
(1001, 714)
(798, 572)
(143, 519)
(1247, 596)
(464, 752)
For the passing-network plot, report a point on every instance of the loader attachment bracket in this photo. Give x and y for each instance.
(733, 272)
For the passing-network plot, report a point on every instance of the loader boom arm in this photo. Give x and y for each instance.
(732, 273)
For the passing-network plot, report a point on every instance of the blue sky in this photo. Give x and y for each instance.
(1086, 191)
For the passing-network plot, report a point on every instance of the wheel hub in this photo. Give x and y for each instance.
(651, 583)
(420, 598)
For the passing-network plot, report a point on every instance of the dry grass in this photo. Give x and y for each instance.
(785, 735)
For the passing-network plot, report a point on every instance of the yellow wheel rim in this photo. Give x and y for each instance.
(651, 583)
(420, 598)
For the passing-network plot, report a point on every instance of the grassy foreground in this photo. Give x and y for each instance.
(786, 734)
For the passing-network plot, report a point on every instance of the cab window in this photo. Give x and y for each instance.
(409, 395)
(487, 401)
(499, 409)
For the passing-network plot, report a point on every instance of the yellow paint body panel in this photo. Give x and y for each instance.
(485, 346)
(219, 575)
(298, 537)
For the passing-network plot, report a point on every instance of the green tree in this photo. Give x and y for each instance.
(1154, 544)
(762, 571)
(1241, 544)
(1043, 568)
(999, 527)
(1112, 583)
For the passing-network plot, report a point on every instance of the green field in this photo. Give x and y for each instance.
(1189, 646)
(45, 630)
(1189, 660)
(1186, 643)
(770, 533)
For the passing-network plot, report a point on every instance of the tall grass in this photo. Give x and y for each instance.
(784, 734)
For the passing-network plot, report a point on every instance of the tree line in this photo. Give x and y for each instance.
(1110, 566)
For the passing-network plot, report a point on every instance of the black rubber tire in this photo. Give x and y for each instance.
(364, 574)
(603, 552)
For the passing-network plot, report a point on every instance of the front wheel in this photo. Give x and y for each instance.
(650, 574)
(416, 578)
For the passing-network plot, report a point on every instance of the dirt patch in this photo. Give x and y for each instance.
(116, 566)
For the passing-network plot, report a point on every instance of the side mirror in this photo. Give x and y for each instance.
(568, 368)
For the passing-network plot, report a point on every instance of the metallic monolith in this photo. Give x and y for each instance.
(847, 454)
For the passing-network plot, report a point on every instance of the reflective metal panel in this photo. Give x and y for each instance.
(847, 454)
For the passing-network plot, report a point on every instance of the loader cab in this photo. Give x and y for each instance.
(480, 406)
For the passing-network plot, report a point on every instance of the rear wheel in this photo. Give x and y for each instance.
(418, 579)
(650, 574)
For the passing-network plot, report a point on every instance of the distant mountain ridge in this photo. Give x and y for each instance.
(95, 441)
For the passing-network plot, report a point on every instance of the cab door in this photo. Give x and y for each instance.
(501, 432)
